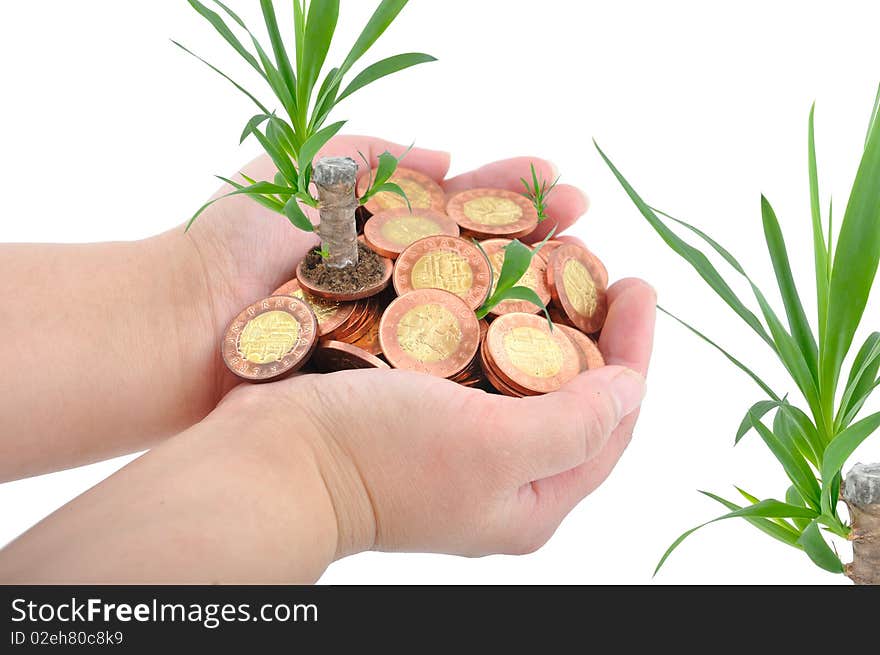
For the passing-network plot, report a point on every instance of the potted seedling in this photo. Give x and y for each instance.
(812, 442)
(339, 313)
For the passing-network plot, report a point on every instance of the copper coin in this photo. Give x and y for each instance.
(447, 263)
(535, 279)
(421, 191)
(391, 232)
(366, 314)
(493, 213)
(492, 376)
(575, 282)
(529, 356)
(430, 331)
(366, 292)
(601, 272)
(331, 315)
(333, 356)
(270, 339)
(590, 355)
(370, 340)
(558, 316)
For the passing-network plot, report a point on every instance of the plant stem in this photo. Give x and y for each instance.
(336, 179)
(861, 492)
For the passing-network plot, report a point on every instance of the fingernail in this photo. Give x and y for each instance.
(627, 389)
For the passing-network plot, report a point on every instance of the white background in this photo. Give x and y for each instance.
(110, 132)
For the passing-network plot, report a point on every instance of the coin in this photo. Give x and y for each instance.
(331, 315)
(448, 263)
(370, 340)
(548, 248)
(575, 282)
(535, 279)
(333, 356)
(590, 356)
(421, 191)
(389, 233)
(527, 356)
(430, 331)
(270, 339)
(487, 213)
(366, 292)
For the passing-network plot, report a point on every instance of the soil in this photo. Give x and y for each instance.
(369, 271)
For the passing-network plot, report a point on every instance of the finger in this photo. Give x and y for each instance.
(554, 433)
(433, 163)
(506, 174)
(627, 340)
(565, 206)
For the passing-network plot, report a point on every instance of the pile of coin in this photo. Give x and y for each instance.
(427, 323)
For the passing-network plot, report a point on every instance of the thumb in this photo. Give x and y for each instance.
(562, 430)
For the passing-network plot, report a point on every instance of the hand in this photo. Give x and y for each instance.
(247, 251)
(417, 463)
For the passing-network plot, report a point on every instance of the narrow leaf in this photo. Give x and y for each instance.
(792, 497)
(794, 309)
(319, 29)
(382, 69)
(297, 216)
(796, 468)
(758, 410)
(223, 30)
(764, 509)
(781, 532)
(818, 550)
(861, 378)
(820, 248)
(381, 19)
(839, 450)
(281, 58)
(311, 147)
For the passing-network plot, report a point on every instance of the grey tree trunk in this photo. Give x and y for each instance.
(336, 179)
(861, 492)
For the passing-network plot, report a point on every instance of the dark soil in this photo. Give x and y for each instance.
(369, 271)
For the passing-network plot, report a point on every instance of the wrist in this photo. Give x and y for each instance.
(324, 460)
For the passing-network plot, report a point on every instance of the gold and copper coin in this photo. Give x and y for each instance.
(590, 356)
(558, 316)
(333, 356)
(528, 356)
(575, 281)
(391, 232)
(487, 213)
(448, 263)
(430, 331)
(535, 279)
(421, 191)
(270, 339)
(368, 291)
(551, 246)
(548, 248)
(331, 315)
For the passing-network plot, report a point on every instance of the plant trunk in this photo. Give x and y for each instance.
(336, 179)
(861, 492)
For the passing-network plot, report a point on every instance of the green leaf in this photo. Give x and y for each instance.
(794, 309)
(855, 262)
(297, 216)
(280, 158)
(850, 416)
(389, 187)
(693, 256)
(820, 248)
(745, 369)
(758, 410)
(780, 531)
(281, 58)
(311, 147)
(790, 433)
(792, 497)
(224, 76)
(514, 293)
(861, 379)
(260, 191)
(218, 23)
(384, 68)
(818, 550)
(807, 431)
(838, 451)
(875, 118)
(764, 509)
(796, 468)
(326, 100)
(319, 29)
(381, 19)
(517, 259)
(386, 168)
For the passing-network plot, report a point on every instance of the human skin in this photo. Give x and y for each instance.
(280, 480)
(126, 351)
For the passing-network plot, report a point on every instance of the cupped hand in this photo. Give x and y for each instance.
(247, 251)
(415, 463)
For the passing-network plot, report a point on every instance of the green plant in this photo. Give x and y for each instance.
(812, 445)
(293, 141)
(517, 259)
(538, 193)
